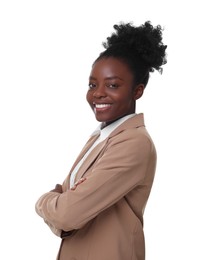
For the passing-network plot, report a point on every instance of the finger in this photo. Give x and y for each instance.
(74, 187)
(80, 181)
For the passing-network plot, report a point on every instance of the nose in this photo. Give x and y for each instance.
(99, 92)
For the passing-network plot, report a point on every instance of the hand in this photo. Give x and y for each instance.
(58, 188)
(78, 183)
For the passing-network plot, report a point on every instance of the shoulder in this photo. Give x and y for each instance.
(132, 140)
(132, 135)
(137, 134)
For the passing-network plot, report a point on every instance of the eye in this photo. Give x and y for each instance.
(112, 86)
(92, 85)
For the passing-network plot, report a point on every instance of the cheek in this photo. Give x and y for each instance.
(127, 99)
(88, 97)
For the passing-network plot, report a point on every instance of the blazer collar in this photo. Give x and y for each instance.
(133, 122)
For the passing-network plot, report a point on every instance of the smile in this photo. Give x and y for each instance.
(102, 105)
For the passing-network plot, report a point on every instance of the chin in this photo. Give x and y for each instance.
(105, 119)
(99, 119)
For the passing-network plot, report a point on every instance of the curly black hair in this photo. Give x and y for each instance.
(140, 47)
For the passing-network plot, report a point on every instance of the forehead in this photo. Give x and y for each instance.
(111, 67)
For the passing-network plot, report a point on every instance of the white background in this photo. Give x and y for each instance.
(46, 52)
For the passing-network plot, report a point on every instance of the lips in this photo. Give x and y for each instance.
(101, 107)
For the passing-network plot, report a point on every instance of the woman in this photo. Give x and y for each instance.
(98, 210)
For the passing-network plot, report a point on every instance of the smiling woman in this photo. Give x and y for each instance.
(111, 95)
(98, 210)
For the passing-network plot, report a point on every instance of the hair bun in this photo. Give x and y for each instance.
(144, 41)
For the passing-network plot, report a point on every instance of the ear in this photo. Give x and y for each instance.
(138, 91)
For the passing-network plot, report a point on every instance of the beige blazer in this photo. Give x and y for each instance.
(103, 217)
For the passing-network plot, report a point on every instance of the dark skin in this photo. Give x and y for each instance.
(111, 95)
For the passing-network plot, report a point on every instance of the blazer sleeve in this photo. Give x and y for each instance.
(123, 165)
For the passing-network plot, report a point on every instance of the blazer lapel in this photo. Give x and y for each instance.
(89, 143)
(92, 139)
(90, 159)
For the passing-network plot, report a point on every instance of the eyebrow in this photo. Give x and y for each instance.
(107, 78)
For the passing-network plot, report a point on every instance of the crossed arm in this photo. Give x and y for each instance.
(114, 175)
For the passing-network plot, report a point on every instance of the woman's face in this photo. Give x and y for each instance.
(111, 94)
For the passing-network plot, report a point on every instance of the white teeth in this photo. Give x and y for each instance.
(101, 105)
